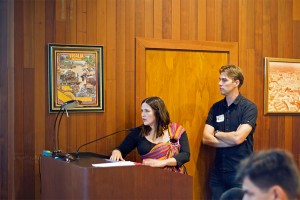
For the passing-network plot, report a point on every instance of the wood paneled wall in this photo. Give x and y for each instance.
(261, 27)
(6, 98)
(3, 100)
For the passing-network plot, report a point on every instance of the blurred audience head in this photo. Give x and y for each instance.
(233, 194)
(271, 174)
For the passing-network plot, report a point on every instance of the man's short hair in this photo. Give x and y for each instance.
(269, 168)
(234, 72)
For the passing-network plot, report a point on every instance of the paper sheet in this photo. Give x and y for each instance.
(115, 164)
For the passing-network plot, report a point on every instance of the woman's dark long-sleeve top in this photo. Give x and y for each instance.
(134, 139)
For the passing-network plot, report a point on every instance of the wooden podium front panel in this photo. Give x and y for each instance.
(62, 180)
(139, 182)
(79, 180)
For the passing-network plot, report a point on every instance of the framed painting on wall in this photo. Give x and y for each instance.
(282, 86)
(75, 72)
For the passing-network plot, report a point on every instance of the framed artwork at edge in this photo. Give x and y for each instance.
(75, 72)
(282, 86)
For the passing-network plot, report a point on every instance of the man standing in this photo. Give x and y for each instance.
(229, 128)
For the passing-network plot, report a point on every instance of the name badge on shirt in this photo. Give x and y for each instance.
(220, 118)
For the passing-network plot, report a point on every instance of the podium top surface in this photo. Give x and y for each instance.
(85, 159)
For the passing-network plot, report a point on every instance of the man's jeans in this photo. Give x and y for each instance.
(219, 182)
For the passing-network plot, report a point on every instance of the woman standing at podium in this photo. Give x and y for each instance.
(160, 142)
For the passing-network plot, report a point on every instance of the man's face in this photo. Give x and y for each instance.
(227, 85)
(252, 192)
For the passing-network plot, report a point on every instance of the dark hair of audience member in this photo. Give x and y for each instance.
(233, 194)
(272, 167)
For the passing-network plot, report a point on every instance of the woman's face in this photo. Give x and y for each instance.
(148, 115)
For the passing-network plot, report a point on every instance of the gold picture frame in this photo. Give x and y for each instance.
(75, 72)
(282, 86)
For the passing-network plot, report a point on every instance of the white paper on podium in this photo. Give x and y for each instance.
(115, 164)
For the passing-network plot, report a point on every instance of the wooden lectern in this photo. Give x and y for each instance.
(80, 180)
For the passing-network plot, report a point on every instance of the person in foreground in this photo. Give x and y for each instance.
(229, 128)
(270, 174)
(233, 194)
(160, 142)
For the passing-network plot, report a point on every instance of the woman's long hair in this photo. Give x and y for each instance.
(161, 116)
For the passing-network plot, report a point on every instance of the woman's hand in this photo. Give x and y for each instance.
(160, 163)
(154, 163)
(116, 155)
